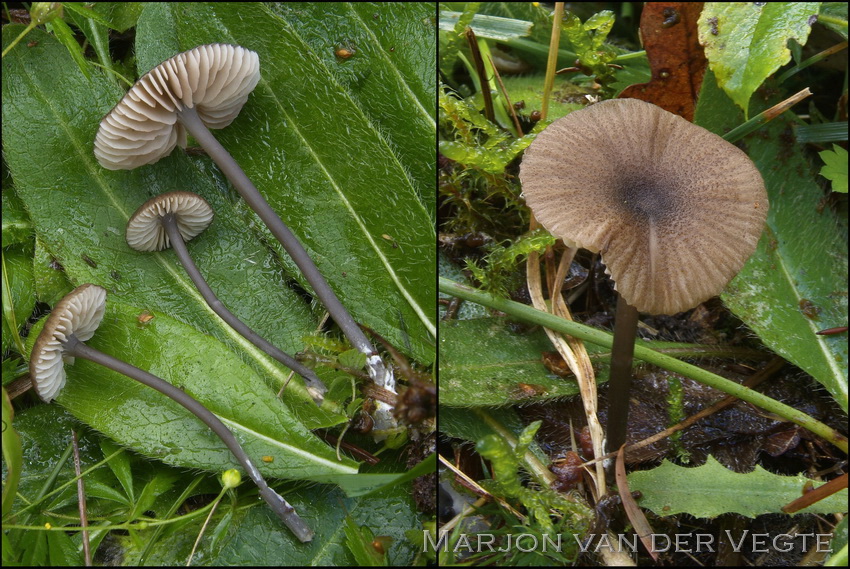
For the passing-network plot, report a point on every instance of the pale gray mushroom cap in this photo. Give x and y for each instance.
(78, 314)
(191, 212)
(674, 210)
(214, 79)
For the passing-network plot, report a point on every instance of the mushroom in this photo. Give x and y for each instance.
(674, 210)
(173, 218)
(75, 320)
(192, 92)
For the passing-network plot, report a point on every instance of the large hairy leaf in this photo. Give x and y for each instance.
(483, 363)
(340, 178)
(796, 282)
(333, 173)
(325, 162)
(79, 210)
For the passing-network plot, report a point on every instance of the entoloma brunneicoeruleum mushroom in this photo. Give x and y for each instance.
(173, 218)
(74, 320)
(674, 210)
(192, 92)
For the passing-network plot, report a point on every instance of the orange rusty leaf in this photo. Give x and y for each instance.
(677, 60)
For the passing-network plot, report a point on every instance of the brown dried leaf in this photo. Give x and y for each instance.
(669, 31)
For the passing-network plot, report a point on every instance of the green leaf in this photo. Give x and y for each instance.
(489, 27)
(461, 424)
(323, 164)
(139, 417)
(120, 466)
(95, 29)
(252, 538)
(50, 115)
(483, 363)
(711, 490)
(833, 15)
(566, 97)
(389, 77)
(86, 12)
(366, 484)
(835, 169)
(119, 16)
(64, 34)
(746, 42)
(17, 227)
(359, 540)
(820, 133)
(795, 283)
(391, 514)
(51, 282)
(18, 295)
(12, 456)
(13, 368)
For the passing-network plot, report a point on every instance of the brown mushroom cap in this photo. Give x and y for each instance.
(79, 314)
(674, 209)
(214, 79)
(191, 212)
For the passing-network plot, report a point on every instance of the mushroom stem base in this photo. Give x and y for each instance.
(287, 514)
(620, 382)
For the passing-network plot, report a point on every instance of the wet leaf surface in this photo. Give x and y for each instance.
(323, 163)
(144, 419)
(795, 283)
(746, 42)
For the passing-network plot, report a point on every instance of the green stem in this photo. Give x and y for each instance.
(18, 39)
(588, 334)
(826, 19)
(812, 60)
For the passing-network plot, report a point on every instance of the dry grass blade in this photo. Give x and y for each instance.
(573, 352)
(81, 500)
(633, 511)
(485, 496)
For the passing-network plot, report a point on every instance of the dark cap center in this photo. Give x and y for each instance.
(645, 199)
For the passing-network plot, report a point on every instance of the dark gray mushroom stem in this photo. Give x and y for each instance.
(171, 219)
(620, 379)
(315, 385)
(75, 319)
(286, 513)
(194, 91)
(189, 118)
